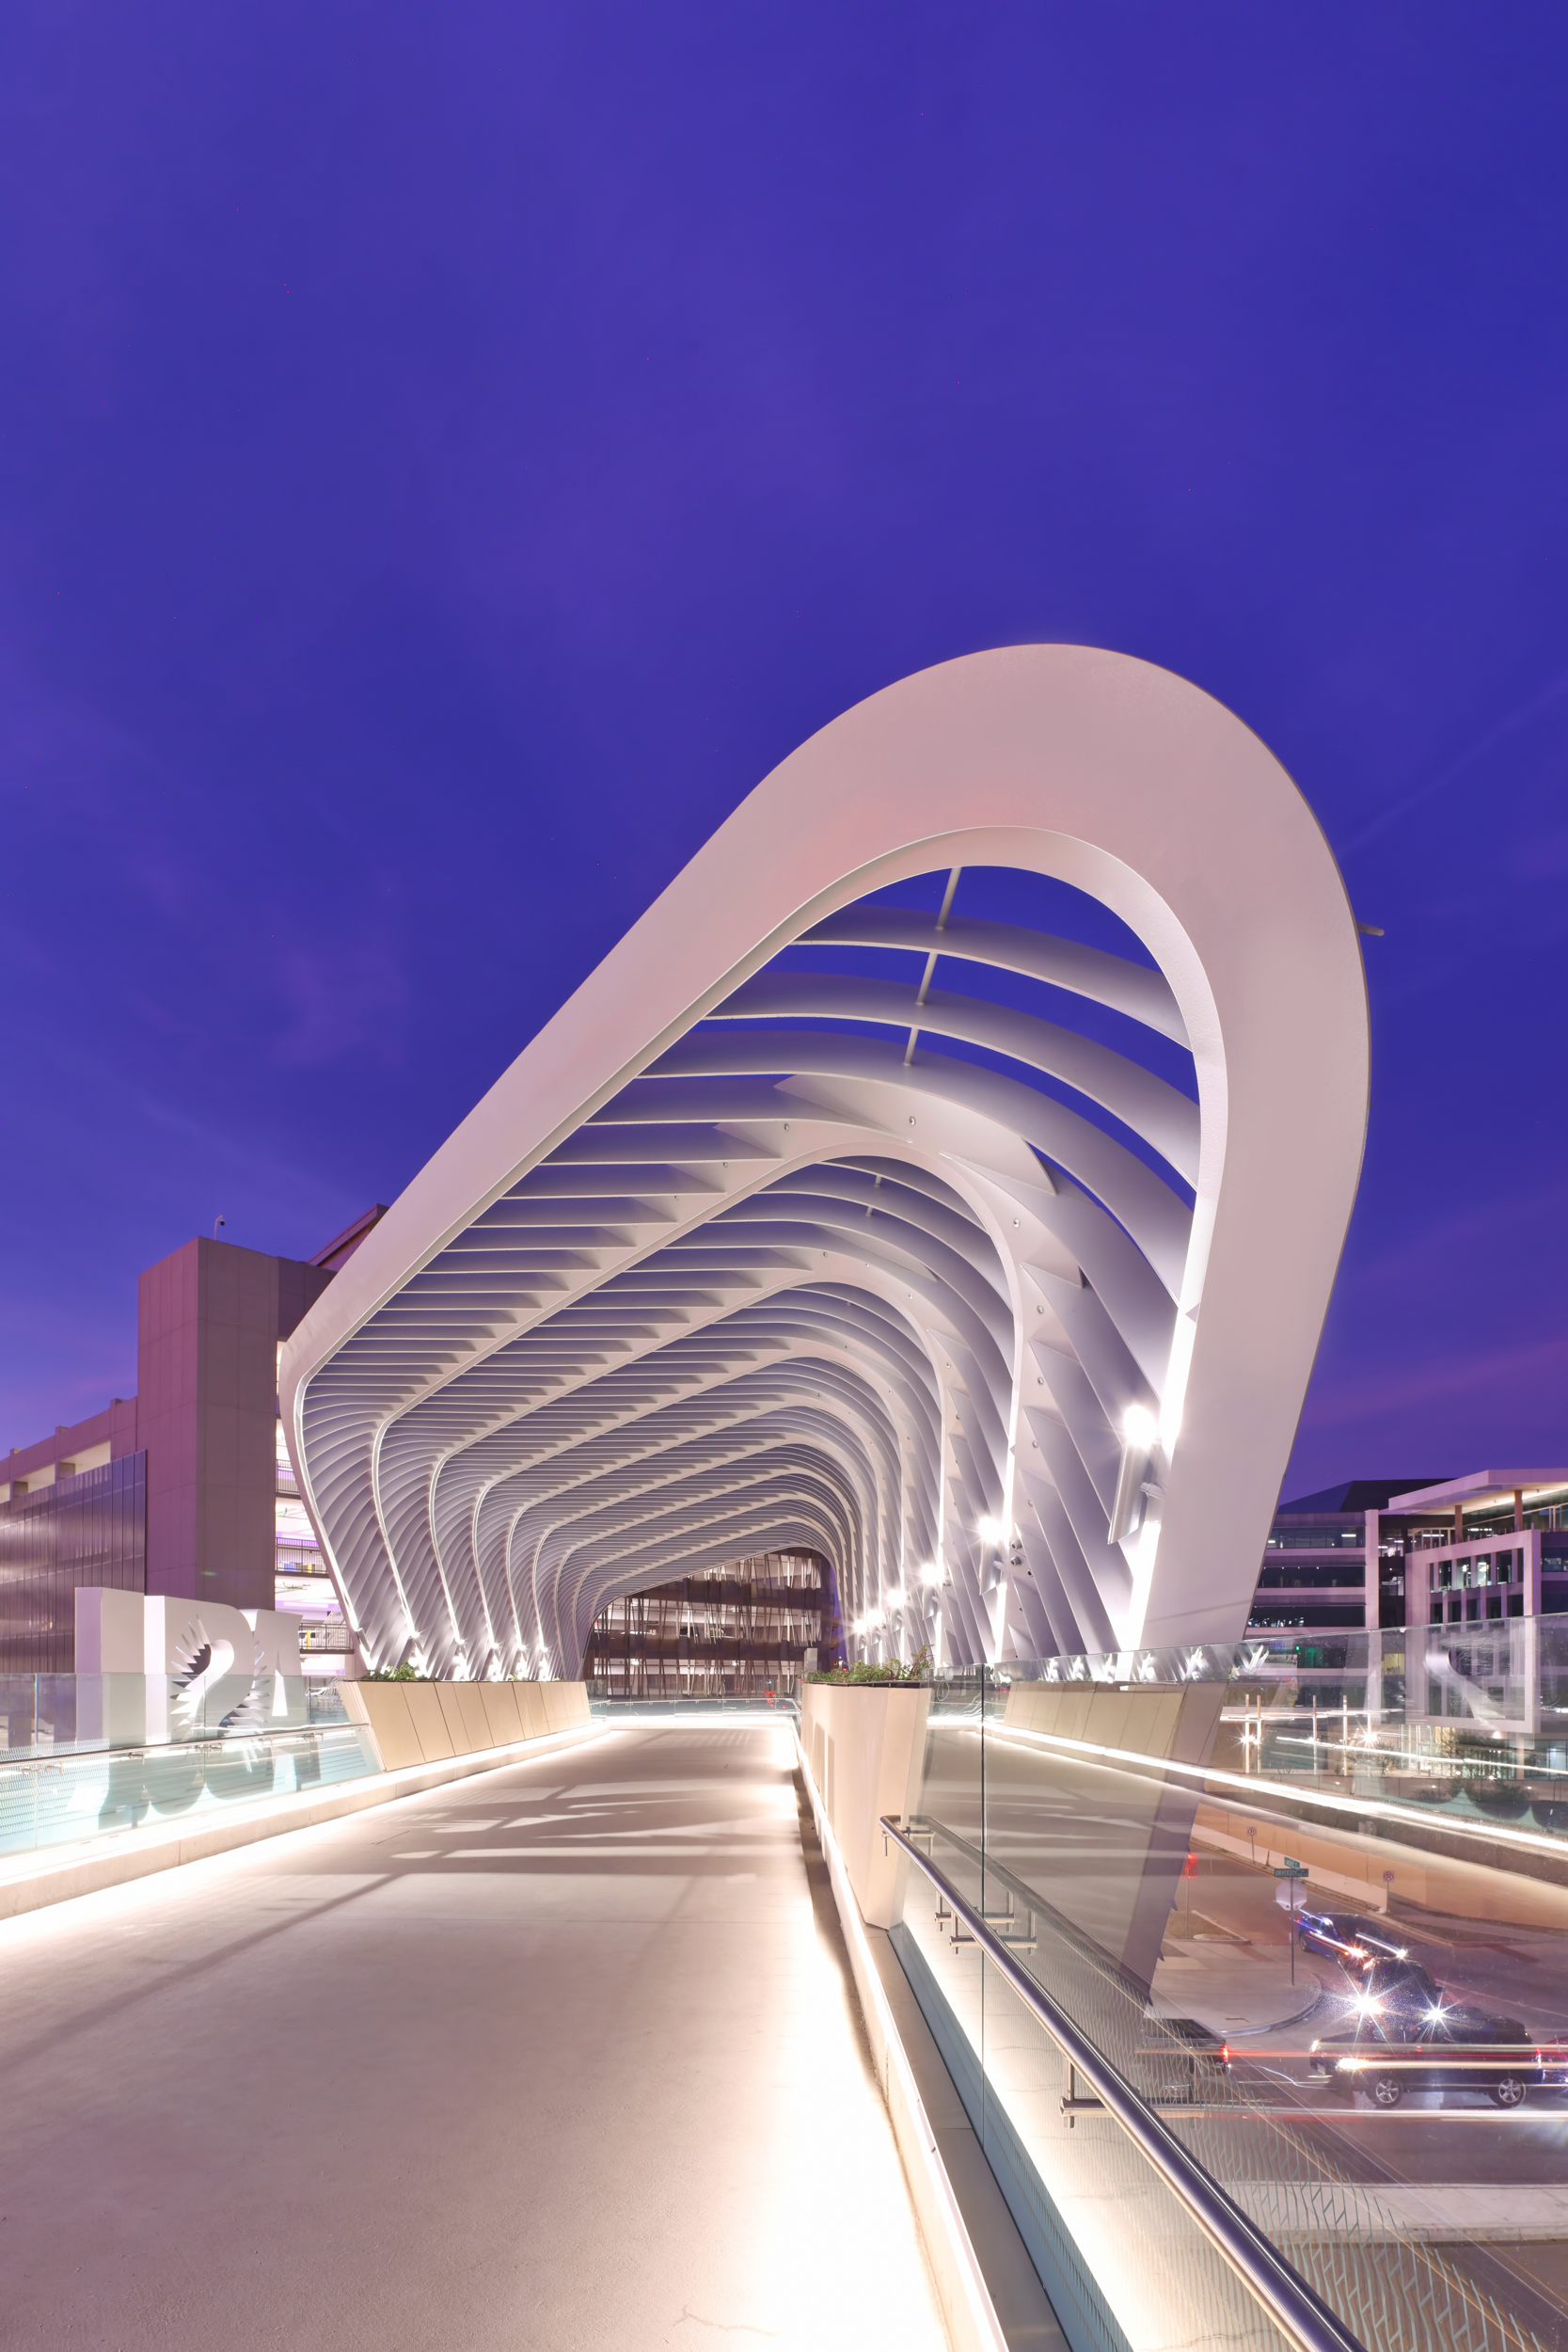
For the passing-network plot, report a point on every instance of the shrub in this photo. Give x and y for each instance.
(917, 1670)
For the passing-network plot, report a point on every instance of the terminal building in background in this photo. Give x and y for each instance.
(184, 1489)
(746, 1630)
(1397, 1552)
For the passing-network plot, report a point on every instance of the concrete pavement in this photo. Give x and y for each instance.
(560, 2055)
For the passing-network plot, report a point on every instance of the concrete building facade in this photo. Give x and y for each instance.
(1395, 1551)
(209, 1319)
(174, 1490)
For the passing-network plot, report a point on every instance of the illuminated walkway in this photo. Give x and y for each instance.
(560, 2055)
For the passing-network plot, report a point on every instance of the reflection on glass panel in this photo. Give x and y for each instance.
(1306, 1899)
(85, 1755)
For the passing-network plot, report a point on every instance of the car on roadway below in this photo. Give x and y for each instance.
(1408, 2035)
(1353, 1941)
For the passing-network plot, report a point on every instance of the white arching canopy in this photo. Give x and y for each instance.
(946, 1174)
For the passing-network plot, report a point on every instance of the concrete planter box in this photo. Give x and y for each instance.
(427, 1722)
(1170, 1724)
(866, 1744)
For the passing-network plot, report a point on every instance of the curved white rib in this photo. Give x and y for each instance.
(834, 1211)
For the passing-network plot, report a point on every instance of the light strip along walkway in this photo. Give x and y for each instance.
(557, 2056)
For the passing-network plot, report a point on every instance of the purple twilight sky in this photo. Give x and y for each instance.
(448, 455)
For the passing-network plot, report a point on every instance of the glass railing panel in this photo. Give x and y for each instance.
(1124, 2264)
(953, 1783)
(18, 1808)
(323, 1700)
(1097, 1818)
(1469, 1721)
(606, 1699)
(92, 1755)
(55, 1713)
(18, 1714)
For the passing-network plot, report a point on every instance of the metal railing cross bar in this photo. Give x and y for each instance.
(1082, 1946)
(1300, 2314)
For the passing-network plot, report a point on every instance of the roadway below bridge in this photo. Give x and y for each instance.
(1119, 1857)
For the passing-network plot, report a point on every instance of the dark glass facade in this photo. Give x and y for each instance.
(88, 1530)
(738, 1631)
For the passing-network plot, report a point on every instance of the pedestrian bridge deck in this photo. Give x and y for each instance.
(562, 2054)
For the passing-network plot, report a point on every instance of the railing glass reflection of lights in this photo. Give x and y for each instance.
(1470, 1722)
(1300, 2315)
(1170, 2184)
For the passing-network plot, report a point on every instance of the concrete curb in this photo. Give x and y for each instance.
(55, 1875)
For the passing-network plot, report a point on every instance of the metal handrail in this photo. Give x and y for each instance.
(1300, 2314)
(1083, 1947)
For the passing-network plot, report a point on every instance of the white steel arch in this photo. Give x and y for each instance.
(853, 1203)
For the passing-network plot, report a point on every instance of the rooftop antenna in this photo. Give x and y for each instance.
(217, 1222)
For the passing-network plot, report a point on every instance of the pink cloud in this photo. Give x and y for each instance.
(1465, 1374)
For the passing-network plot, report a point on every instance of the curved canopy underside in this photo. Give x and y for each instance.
(889, 1242)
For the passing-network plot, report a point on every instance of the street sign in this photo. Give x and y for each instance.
(1291, 1870)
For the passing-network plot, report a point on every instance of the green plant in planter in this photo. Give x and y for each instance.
(893, 1671)
(392, 1674)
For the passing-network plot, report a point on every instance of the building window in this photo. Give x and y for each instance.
(86, 1529)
